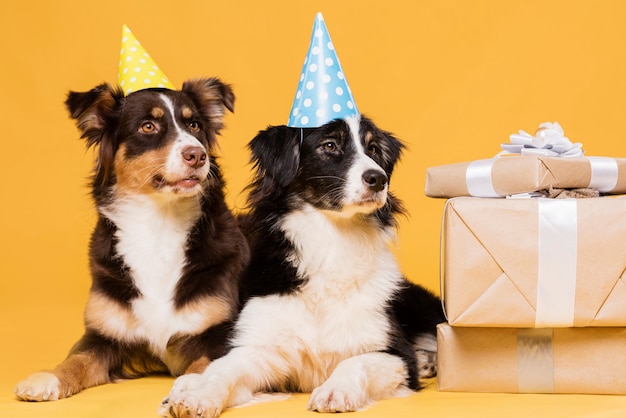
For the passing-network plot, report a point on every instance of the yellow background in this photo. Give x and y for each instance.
(451, 78)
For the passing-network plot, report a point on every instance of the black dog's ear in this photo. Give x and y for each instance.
(212, 97)
(276, 157)
(95, 115)
(392, 151)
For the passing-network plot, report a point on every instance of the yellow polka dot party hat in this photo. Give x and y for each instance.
(138, 70)
(323, 93)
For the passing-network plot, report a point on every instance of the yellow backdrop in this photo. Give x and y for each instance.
(451, 78)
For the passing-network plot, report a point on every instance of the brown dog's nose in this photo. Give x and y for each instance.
(194, 157)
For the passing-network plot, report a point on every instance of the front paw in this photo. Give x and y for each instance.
(187, 405)
(40, 386)
(189, 398)
(329, 399)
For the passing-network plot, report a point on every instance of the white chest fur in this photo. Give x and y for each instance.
(338, 253)
(152, 236)
(342, 309)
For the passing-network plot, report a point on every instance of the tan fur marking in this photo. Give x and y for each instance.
(187, 112)
(80, 371)
(142, 364)
(90, 119)
(116, 321)
(157, 112)
(215, 97)
(198, 365)
(101, 312)
(214, 309)
(136, 175)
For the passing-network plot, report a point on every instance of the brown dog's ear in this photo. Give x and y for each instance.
(93, 110)
(95, 115)
(212, 97)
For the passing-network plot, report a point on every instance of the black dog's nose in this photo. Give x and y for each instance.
(375, 180)
(195, 157)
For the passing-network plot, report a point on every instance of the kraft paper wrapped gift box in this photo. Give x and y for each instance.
(534, 262)
(536, 360)
(508, 175)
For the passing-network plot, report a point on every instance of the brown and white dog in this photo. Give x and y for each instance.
(326, 308)
(166, 254)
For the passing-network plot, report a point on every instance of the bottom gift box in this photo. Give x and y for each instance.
(532, 360)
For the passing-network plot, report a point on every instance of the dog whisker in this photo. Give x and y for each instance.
(326, 177)
(332, 195)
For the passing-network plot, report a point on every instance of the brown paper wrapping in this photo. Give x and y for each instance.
(520, 174)
(491, 261)
(514, 360)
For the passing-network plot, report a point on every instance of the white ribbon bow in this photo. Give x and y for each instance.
(548, 141)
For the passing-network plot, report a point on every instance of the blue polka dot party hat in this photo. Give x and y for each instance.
(137, 70)
(323, 93)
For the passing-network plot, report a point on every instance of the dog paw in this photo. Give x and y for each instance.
(40, 386)
(186, 382)
(190, 399)
(336, 400)
(187, 406)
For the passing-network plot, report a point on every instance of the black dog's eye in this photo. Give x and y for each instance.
(148, 128)
(329, 146)
(194, 126)
(373, 149)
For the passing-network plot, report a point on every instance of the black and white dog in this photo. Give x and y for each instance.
(327, 309)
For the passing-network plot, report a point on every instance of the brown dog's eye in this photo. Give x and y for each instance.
(372, 149)
(194, 126)
(329, 146)
(148, 128)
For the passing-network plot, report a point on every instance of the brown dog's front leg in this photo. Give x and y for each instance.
(198, 366)
(77, 372)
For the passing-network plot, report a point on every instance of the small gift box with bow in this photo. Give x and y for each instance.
(529, 163)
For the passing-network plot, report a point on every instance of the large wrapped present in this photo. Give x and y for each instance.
(509, 175)
(534, 262)
(532, 360)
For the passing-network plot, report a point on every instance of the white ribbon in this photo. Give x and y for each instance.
(535, 360)
(604, 176)
(556, 276)
(549, 141)
(478, 178)
(604, 173)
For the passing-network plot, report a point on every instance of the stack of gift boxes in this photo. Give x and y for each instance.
(534, 288)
